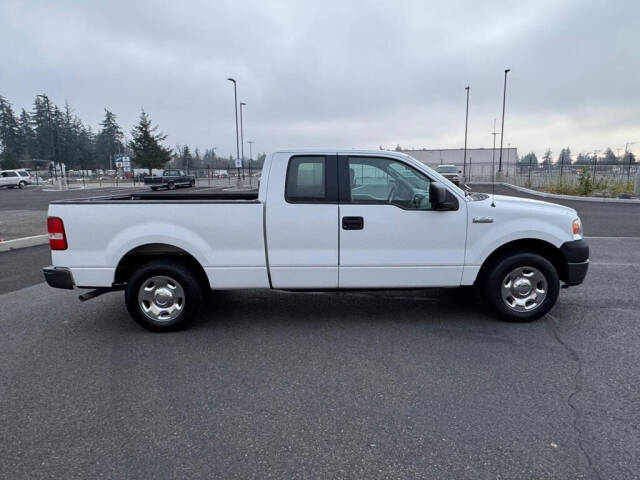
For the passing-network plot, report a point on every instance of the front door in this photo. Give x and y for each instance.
(389, 234)
(302, 221)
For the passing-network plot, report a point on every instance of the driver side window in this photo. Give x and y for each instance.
(389, 182)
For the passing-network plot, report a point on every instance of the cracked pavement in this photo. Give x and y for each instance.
(401, 384)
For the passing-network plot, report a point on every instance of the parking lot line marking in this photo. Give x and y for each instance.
(615, 264)
(612, 238)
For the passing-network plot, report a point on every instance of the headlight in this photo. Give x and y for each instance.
(576, 227)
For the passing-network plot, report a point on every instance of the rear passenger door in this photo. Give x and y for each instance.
(302, 221)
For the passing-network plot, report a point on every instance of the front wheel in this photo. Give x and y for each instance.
(171, 186)
(163, 295)
(22, 184)
(521, 287)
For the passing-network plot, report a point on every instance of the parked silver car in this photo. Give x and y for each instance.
(14, 178)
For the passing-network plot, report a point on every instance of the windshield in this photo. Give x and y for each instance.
(445, 169)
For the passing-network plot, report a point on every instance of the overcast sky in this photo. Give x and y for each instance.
(336, 73)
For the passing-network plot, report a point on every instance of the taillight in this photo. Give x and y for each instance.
(57, 237)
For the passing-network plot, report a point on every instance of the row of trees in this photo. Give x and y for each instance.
(49, 133)
(565, 158)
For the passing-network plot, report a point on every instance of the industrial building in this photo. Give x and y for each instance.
(479, 161)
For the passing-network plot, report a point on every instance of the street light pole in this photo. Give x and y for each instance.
(250, 142)
(466, 122)
(504, 95)
(242, 104)
(235, 98)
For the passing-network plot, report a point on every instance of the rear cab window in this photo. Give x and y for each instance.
(311, 179)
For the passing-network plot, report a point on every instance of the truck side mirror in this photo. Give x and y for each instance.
(437, 195)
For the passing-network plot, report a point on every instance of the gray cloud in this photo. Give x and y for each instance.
(335, 73)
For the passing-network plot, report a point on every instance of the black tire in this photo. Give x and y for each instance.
(22, 184)
(171, 186)
(492, 284)
(179, 273)
(192, 183)
(154, 188)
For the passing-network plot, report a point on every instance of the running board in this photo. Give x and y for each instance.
(99, 291)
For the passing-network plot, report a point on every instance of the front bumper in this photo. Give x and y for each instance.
(58, 277)
(576, 254)
(576, 273)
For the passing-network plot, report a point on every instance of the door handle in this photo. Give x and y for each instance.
(352, 223)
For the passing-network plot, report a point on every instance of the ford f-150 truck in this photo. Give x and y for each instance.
(170, 179)
(321, 220)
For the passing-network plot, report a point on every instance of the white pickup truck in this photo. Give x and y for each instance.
(322, 220)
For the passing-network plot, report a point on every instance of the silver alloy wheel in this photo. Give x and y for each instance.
(161, 298)
(524, 289)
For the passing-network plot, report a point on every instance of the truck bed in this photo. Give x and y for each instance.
(222, 231)
(166, 197)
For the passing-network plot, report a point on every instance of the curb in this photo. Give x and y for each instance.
(561, 197)
(24, 242)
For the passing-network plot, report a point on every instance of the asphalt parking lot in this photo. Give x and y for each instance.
(410, 384)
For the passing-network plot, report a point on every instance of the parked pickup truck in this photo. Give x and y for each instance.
(170, 179)
(321, 220)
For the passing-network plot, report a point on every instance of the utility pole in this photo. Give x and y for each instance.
(250, 142)
(235, 97)
(242, 104)
(466, 122)
(504, 96)
(626, 154)
(493, 152)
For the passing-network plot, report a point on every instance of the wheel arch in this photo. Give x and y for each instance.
(142, 254)
(527, 245)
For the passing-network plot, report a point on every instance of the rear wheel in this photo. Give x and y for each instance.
(192, 183)
(521, 287)
(163, 295)
(171, 186)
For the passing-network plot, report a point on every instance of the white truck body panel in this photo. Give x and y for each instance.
(228, 245)
(270, 242)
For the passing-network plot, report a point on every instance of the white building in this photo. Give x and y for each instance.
(479, 161)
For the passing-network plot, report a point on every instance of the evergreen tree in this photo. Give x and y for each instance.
(187, 159)
(582, 159)
(108, 140)
(9, 141)
(197, 159)
(528, 161)
(43, 126)
(629, 158)
(565, 157)
(26, 136)
(145, 145)
(547, 158)
(610, 158)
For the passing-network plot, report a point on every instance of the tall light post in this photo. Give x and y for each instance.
(250, 142)
(504, 96)
(242, 104)
(235, 99)
(466, 122)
